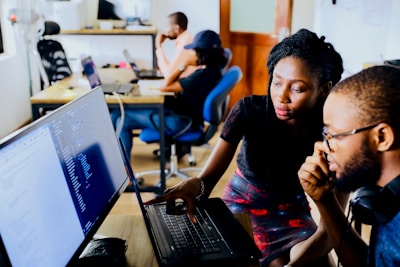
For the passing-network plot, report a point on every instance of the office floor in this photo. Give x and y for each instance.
(143, 159)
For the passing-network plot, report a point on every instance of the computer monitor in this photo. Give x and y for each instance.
(59, 178)
(124, 9)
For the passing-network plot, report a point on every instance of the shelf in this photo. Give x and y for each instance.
(144, 31)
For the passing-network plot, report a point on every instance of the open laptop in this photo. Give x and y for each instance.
(93, 76)
(225, 242)
(59, 178)
(142, 73)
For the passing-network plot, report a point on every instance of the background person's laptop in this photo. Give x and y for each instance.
(93, 76)
(224, 243)
(142, 73)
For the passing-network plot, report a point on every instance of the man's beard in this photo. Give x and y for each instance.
(362, 169)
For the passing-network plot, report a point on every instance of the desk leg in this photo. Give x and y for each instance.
(162, 151)
(35, 112)
(153, 40)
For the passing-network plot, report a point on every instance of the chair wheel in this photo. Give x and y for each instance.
(192, 163)
(140, 181)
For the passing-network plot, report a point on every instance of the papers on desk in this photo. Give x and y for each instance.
(151, 87)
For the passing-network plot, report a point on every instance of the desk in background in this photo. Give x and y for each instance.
(133, 229)
(76, 85)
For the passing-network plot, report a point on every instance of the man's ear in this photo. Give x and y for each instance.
(176, 28)
(384, 137)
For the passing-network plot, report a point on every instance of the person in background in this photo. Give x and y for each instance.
(190, 92)
(276, 132)
(360, 153)
(177, 30)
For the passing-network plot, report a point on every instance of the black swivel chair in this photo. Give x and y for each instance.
(52, 55)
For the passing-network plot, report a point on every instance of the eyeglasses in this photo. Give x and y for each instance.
(328, 136)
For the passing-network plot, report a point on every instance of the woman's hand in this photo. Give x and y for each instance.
(314, 174)
(187, 191)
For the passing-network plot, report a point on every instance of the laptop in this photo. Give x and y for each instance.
(93, 76)
(59, 178)
(224, 241)
(142, 73)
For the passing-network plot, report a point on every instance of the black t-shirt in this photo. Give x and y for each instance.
(270, 155)
(196, 88)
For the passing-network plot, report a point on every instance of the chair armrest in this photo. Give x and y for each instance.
(185, 119)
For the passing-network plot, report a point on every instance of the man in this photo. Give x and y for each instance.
(361, 153)
(177, 30)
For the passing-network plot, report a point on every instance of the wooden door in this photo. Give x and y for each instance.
(251, 49)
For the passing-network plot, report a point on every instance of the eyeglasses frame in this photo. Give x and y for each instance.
(328, 136)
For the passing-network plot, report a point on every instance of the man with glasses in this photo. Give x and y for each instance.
(360, 154)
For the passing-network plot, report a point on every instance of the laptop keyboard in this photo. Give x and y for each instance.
(189, 237)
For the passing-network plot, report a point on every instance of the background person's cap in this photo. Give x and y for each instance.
(205, 40)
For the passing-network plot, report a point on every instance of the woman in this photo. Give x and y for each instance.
(190, 92)
(277, 132)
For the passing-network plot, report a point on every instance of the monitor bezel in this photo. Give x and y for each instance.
(4, 259)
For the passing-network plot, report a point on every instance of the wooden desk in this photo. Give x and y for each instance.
(150, 32)
(133, 229)
(76, 85)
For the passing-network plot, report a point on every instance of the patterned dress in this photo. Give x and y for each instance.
(265, 184)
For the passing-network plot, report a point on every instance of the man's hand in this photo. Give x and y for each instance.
(314, 174)
(160, 38)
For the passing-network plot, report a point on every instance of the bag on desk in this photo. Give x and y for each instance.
(108, 252)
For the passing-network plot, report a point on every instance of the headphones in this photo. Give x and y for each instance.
(376, 205)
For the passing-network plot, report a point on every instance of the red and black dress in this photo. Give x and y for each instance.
(265, 184)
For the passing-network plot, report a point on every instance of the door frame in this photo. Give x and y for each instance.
(283, 19)
(250, 47)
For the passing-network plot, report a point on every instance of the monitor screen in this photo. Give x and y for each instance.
(59, 178)
(124, 9)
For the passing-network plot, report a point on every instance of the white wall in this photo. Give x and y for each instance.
(302, 15)
(362, 31)
(14, 87)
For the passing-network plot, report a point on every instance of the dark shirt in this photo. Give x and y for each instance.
(269, 154)
(387, 243)
(196, 87)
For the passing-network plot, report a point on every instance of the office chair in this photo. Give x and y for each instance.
(214, 111)
(52, 55)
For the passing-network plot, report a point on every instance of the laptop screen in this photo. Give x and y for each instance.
(59, 178)
(91, 71)
(131, 62)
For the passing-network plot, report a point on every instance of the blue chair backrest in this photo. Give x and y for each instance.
(216, 102)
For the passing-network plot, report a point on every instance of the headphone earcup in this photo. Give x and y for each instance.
(363, 204)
